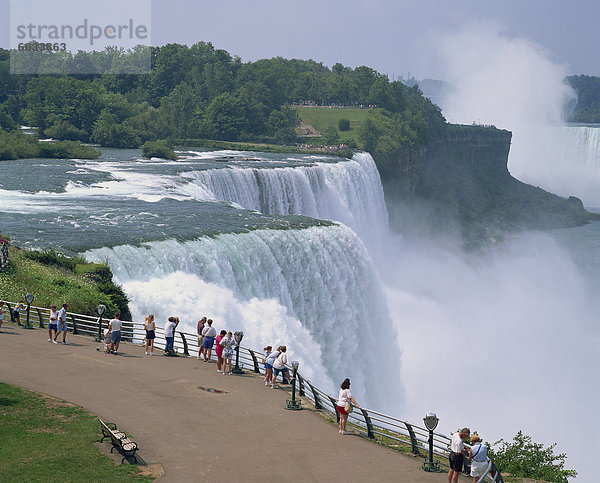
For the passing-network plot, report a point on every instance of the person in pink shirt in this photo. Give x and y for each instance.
(219, 350)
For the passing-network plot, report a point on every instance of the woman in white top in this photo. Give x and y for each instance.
(478, 457)
(344, 397)
(52, 325)
(279, 366)
(150, 327)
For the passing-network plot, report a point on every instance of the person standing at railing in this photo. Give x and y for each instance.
(477, 457)
(219, 350)
(170, 334)
(53, 324)
(344, 404)
(114, 326)
(150, 327)
(209, 333)
(200, 328)
(1, 314)
(17, 312)
(269, 359)
(279, 366)
(457, 452)
(227, 343)
(62, 322)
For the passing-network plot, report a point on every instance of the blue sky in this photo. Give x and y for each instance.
(394, 36)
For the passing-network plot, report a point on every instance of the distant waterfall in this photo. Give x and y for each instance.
(348, 191)
(319, 276)
(562, 159)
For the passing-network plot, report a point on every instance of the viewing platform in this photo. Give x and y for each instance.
(239, 432)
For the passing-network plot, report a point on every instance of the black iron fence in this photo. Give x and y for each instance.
(388, 430)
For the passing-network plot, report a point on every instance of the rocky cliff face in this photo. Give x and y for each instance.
(461, 179)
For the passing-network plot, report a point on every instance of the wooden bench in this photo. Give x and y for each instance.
(118, 439)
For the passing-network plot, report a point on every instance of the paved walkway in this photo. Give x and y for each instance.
(242, 434)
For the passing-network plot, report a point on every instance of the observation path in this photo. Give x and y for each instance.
(243, 434)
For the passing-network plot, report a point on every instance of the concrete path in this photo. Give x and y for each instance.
(244, 434)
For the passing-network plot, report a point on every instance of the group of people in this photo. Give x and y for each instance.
(477, 455)
(223, 343)
(57, 324)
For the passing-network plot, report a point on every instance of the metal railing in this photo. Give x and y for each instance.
(372, 424)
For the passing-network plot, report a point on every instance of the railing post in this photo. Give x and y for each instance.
(255, 360)
(40, 320)
(368, 422)
(300, 385)
(413, 439)
(185, 345)
(335, 409)
(318, 404)
(74, 324)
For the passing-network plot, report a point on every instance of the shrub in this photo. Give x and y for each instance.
(158, 149)
(344, 124)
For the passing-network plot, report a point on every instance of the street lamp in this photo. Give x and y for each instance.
(237, 336)
(431, 421)
(101, 309)
(292, 403)
(29, 299)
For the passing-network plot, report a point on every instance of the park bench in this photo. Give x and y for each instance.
(118, 439)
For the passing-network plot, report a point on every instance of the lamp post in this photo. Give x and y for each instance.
(293, 403)
(237, 336)
(29, 299)
(101, 309)
(431, 422)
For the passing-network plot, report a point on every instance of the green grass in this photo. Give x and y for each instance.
(52, 284)
(322, 117)
(44, 439)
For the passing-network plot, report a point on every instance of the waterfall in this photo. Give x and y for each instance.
(562, 159)
(347, 191)
(314, 289)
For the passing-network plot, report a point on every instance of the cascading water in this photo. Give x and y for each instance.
(349, 191)
(325, 297)
(562, 159)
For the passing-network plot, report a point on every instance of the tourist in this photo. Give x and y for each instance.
(199, 329)
(279, 366)
(344, 404)
(62, 323)
(270, 357)
(170, 335)
(457, 451)
(219, 350)
(1, 314)
(17, 312)
(478, 458)
(115, 333)
(227, 343)
(150, 327)
(52, 324)
(209, 334)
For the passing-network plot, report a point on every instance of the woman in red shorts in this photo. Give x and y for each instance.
(344, 397)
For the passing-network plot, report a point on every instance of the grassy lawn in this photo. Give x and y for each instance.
(45, 439)
(322, 117)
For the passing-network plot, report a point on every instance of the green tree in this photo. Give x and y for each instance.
(368, 134)
(523, 458)
(344, 124)
(331, 136)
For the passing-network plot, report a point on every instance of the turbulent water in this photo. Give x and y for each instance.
(296, 250)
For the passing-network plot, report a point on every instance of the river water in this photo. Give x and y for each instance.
(296, 250)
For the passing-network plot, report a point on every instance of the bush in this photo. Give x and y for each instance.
(52, 257)
(344, 124)
(526, 459)
(158, 149)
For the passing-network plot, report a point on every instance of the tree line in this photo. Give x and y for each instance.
(200, 92)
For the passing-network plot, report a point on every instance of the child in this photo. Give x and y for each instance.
(268, 365)
(105, 342)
